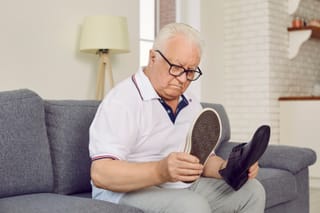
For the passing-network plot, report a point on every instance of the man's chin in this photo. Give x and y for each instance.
(174, 94)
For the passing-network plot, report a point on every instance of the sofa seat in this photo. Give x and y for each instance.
(50, 202)
(280, 186)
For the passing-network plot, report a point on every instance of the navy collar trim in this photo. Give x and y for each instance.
(173, 116)
(183, 102)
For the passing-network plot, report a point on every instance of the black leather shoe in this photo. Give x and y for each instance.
(243, 156)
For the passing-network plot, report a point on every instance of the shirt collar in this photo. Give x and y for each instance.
(146, 90)
(144, 86)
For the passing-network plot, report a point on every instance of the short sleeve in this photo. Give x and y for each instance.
(112, 131)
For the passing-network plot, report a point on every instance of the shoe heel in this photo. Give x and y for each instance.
(236, 182)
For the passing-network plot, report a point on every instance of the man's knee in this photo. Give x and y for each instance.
(256, 188)
(255, 191)
(190, 203)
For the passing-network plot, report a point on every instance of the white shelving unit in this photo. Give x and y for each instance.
(296, 39)
(299, 126)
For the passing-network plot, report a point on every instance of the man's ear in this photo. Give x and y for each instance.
(152, 56)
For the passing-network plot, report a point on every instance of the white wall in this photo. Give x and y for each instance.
(39, 44)
(188, 11)
(247, 66)
(207, 17)
(212, 30)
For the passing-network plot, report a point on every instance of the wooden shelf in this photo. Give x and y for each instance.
(299, 98)
(315, 31)
(297, 36)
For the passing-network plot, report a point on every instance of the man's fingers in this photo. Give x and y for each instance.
(253, 170)
(187, 157)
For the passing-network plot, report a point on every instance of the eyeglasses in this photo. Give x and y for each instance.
(177, 70)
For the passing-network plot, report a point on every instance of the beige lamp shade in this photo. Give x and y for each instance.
(104, 33)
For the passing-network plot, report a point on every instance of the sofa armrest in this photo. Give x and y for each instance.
(292, 159)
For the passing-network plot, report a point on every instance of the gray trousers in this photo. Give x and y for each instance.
(206, 195)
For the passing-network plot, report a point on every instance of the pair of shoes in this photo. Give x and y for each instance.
(204, 135)
(243, 156)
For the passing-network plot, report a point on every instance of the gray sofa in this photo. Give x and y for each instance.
(45, 164)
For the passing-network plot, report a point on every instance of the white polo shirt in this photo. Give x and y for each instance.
(134, 124)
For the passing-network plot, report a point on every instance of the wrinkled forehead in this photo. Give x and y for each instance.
(187, 39)
(182, 51)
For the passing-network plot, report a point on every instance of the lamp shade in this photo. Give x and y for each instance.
(104, 32)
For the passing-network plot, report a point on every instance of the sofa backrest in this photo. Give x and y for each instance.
(225, 135)
(68, 125)
(44, 144)
(25, 161)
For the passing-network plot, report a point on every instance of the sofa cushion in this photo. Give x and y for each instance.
(24, 153)
(68, 125)
(54, 203)
(280, 185)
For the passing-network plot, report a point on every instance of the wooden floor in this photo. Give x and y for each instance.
(314, 200)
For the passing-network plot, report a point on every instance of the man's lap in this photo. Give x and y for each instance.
(156, 199)
(205, 195)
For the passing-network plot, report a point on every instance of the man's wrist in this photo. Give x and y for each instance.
(223, 165)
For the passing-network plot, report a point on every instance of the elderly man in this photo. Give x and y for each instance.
(138, 139)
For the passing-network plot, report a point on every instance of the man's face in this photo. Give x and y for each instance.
(179, 51)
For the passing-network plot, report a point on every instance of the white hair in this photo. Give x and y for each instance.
(173, 29)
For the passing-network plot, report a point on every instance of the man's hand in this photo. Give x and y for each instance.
(253, 170)
(180, 166)
(215, 163)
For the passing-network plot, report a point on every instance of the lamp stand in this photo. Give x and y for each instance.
(104, 66)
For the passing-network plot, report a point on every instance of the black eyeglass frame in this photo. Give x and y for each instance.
(197, 71)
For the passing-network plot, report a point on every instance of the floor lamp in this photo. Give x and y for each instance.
(104, 35)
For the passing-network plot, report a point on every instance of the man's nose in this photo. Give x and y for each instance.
(182, 77)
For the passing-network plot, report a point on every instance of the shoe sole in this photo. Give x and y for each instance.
(205, 134)
(258, 145)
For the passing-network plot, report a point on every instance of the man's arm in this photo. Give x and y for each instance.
(213, 165)
(124, 176)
